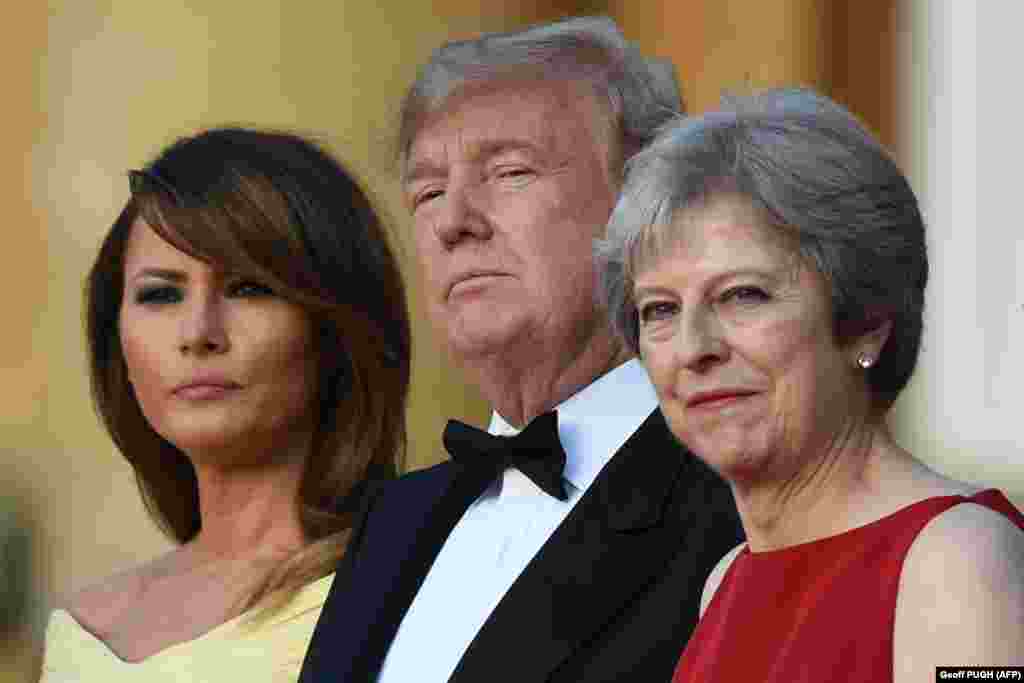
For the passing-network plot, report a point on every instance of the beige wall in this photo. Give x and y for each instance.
(732, 45)
(24, 283)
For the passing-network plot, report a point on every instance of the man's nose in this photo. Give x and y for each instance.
(202, 325)
(462, 216)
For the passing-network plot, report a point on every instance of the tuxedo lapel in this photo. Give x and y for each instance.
(612, 544)
(392, 551)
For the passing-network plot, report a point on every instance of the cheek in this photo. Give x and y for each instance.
(558, 230)
(783, 349)
(146, 364)
(565, 266)
(657, 361)
(142, 359)
(802, 365)
(288, 357)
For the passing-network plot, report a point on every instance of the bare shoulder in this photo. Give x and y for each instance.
(716, 576)
(969, 538)
(961, 594)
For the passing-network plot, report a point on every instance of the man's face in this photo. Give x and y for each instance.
(508, 186)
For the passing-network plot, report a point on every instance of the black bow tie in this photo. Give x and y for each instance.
(535, 451)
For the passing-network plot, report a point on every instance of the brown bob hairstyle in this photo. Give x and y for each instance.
(277, 207)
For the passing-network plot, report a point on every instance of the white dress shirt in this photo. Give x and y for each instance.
(504, 528)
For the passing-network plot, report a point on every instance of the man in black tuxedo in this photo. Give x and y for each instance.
(512, 150)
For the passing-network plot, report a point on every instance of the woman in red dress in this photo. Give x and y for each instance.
(768, 263)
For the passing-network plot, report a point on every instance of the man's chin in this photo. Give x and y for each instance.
(481, 338)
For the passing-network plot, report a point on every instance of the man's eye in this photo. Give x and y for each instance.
(426, 196)
(249, 288)
(514, 172)
(657, 310)
(162, 294)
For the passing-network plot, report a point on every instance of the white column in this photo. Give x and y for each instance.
(960, 101)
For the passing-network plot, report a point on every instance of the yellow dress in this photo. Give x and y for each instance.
(267, 650)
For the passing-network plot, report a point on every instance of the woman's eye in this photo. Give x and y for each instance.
(158, 295)
(249, 288)
(656, 310)
(745, 294)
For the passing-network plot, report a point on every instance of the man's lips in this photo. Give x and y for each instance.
(717, 397)
(465, 280)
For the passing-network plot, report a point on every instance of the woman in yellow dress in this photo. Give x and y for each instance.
(249, 349)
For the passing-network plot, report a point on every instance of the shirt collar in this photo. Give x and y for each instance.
(594, 422)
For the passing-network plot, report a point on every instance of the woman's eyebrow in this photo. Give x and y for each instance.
(162, 273)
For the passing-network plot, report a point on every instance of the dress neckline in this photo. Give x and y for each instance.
(854, 532)
(307, 597)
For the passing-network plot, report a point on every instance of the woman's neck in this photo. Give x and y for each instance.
(249, 502)
(843, 488)
(249, 511)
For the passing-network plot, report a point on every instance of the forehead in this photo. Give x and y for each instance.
(548, 116)
(145, 247)
(725, 231)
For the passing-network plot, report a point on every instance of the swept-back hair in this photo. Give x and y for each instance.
(640, 93)
(278, 207)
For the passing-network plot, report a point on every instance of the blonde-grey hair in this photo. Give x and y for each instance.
(641, 93)
(811, 169)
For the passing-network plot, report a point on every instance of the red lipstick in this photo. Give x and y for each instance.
(716, 397)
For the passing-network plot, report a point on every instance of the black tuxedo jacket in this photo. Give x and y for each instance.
(613, 594)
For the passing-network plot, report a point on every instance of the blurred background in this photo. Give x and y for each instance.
(98, 86)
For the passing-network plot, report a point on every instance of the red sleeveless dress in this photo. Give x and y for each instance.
(817, 611)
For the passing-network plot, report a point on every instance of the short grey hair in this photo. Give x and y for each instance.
(642, 94)
(812, 170)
